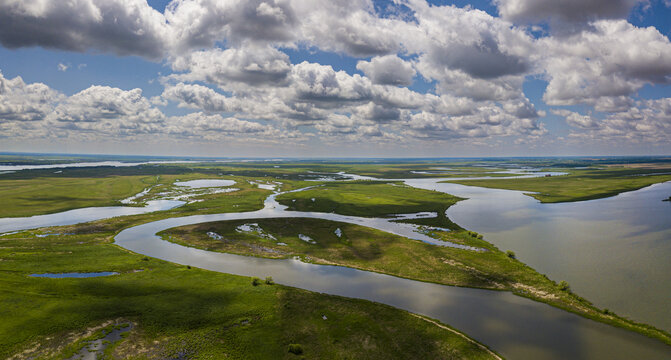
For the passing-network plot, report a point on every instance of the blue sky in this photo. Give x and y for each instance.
(351, 78)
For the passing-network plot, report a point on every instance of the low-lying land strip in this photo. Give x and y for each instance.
(27, 197)
(372, 199)
(579, 185)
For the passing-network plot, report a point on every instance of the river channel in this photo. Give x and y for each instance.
(613, 251)
(516, 327)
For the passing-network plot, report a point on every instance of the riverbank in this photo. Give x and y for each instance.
(187, 312)
(317, 241)
(578, 185)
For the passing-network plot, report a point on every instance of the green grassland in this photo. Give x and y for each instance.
(47, 193)
(203, 314)
(182, 312)
(372, 199)
(373, 250)
(53, 194)
(494, 268)
(579, 185)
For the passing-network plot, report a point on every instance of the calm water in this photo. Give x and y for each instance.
(205, 183)
(516, 327)
(615, 248)
(82, 215)
(615, 252)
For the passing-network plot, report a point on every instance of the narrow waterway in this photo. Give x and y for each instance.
(81, 215)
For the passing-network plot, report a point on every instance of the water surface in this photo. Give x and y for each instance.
(205, 183)
(613, 251)
(516, 327)
(82, 215)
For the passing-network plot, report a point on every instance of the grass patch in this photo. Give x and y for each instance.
(48, 195)
(373, 250)
(192, 313)
(372, 199)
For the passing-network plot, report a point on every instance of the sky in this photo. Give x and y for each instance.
(336, 78)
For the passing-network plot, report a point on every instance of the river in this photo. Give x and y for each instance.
(613, 251)
(516, 327)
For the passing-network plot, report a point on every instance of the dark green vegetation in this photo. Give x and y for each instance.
(580, 184)
(373, 250)
(372, 199)
(188, 313)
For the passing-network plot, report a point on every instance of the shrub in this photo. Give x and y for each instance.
(269, 280)
(295, 349)
(511, 254)
(606, 311)
(256, 281)
(564, 286)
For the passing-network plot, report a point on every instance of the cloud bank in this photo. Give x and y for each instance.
(424, 73)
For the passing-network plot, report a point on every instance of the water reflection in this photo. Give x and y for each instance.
(516, 327)
(612, 251)
(82, 215)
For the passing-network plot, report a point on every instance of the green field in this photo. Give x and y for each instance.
(372, 199)
(579, 184)
(373, 250)
(179, 311)
(37, 196)
(187, 312)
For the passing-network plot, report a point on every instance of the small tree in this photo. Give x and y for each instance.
(256, 281)
(511, 254)
(269, 280)
(564, 286)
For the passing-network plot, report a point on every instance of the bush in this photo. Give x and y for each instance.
(269, 280)
(606, 311)
(256, 281)
(564, 286)
(511, 254)
(295, 349)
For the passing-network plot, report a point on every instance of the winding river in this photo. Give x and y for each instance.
(515, 327)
